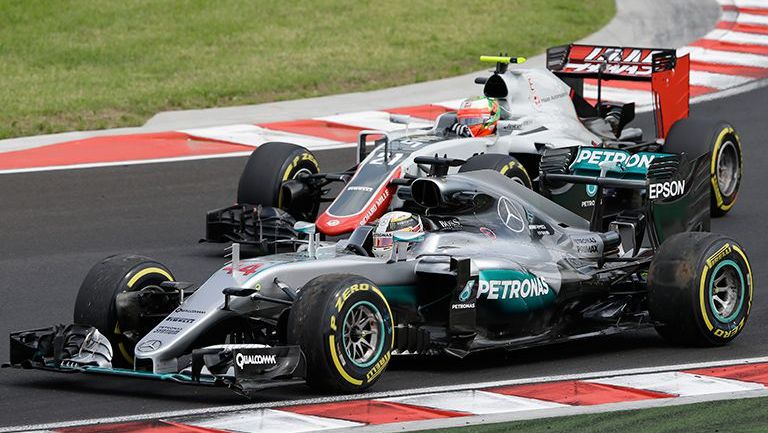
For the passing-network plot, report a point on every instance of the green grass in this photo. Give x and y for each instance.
(68, 65)
(734, 416)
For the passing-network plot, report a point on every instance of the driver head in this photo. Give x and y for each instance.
(480, 115)
(389, 223)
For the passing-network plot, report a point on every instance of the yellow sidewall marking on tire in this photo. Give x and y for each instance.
(713, 167)
(286, 175)
(701, 298)
(310, 157)
(749, 275)
(291, 166)
(512, 165)
(703, 283)
(339, 368)
(147, 271)
(527, 176)
(332, 338)
(389, 310)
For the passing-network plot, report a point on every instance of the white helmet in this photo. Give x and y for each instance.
(389, 223)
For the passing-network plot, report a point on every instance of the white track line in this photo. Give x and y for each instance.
(387, 394)
(733, 37)
(731, 16)
(120, 163)
(758, 4)
(452, 104)
(682, 384)
(255, 136)
(268, 421)
(377, 120)
(724, 57)
(475, 402)
(717, 81)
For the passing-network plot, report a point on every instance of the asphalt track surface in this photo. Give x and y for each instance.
(55, 225)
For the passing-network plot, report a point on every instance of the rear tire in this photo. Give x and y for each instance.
(507, 165)
(342, 357)
(695, 136)
(267, 168)
(95, 303)
(700, 289)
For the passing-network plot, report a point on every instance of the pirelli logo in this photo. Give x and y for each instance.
(378, 368)
(719, 254)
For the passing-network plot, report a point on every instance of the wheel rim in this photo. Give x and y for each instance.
(301, 172)
(727, 168)
(518, 180)
(362, 334)
(726, 290)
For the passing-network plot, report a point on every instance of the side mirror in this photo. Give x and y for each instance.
(309, 229)
(401, 241)
(305, 227)
(408, 237)
(402, 119)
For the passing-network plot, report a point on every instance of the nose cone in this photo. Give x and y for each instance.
(335, 226)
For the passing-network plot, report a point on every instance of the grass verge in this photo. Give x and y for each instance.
(728, 416)
(75, 64)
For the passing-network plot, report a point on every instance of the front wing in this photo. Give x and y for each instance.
(244, 368)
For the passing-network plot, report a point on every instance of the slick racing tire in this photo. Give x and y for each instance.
(267, 168)
(344, 326)
(700, 289)
(507, 165)
(695, 136)
(95, 303)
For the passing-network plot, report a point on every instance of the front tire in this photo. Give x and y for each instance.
(344, 326)
(695, 136)
(507, 165)
(95, 303)
(268, 167)
(700, 289)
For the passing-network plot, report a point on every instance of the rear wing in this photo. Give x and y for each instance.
(667, 73)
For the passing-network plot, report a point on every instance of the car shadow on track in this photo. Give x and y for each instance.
(582, 352)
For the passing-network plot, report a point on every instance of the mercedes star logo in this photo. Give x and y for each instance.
(509, 215)
(149, 346)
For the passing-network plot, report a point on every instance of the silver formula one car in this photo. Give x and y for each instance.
(538, 110)
(499, 266)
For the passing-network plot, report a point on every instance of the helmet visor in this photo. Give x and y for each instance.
(471, 121)
(382, 241)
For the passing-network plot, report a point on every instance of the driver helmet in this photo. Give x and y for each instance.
(479, 114)
(389, 223)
